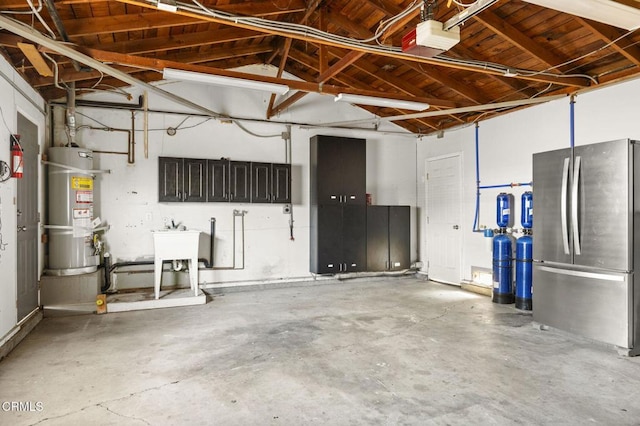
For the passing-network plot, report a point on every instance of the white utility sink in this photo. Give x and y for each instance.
(172, 244)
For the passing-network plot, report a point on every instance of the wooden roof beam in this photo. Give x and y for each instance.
(513, 83)
(407, 94)
(283, 62)
(625, 46)
(335, 69)
(149, 20)
(571, 81)
(518, 39)
(311, 63)
(159, 65)
(187, 57)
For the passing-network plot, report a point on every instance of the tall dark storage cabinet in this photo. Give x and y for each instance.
(338, 209)
(388, 238)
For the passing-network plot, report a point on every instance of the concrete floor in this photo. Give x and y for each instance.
(375, 351)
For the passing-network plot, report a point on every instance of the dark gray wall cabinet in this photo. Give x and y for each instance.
(281, 183)
(198, 180)
(240, 181)
(340, 239)
(388, 238)
(270, 183)
(182, 179)
(218, 180)
(339, 168)
(338, 209)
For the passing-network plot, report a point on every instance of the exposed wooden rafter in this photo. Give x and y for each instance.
(571, 81)
(511, 51)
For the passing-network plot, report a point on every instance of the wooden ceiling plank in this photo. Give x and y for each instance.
(150, 20)
(571, 81)
(183, 41)
(625, 47)
(470, 93)
(125, 23)
(10, 40)
(308, 61)
(186, 57)
(512, 83)
(517, 38)
(347, 24)
(215, 55)
(159, 64)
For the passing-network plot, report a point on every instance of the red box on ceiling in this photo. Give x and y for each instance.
(409, 45)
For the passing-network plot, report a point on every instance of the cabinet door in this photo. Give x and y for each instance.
(170, 172)
(195, 180)
(281, 183)
(354, 238)
(260, 182)
(329, 240)
(377, 238)
(353, 174)
(399, 238)
(328, 169)
(240, 181)
(218, 179)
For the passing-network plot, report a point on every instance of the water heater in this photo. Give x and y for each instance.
(71, 213)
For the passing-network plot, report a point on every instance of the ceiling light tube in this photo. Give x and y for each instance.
(381, 102)
(467, 13)
(605, 11)
(167, 5)
(219, 80)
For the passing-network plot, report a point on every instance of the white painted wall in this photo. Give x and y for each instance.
(12, 102)
(127, 197)
(507, 144)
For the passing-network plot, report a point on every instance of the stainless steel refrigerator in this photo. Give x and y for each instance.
(584, 237)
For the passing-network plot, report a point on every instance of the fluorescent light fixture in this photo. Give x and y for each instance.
(605, 11)
(167, 5)
(471, 11)
(381, 102)
(219, 80)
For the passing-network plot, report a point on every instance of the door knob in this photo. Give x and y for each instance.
(455, 227)
(22, 228)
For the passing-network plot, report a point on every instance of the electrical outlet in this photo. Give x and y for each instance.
(286, 209)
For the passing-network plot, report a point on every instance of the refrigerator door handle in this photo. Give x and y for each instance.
(563, 206)
(583, 274)
(574, 206)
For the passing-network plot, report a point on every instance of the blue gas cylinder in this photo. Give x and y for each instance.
(504, 205)
(526, 215)
(502, 269)
(524, 277)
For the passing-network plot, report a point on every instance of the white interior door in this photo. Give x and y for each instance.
(443, 227)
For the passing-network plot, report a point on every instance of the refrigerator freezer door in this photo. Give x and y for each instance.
(594, 305)
(603, 210)
(551, 227)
